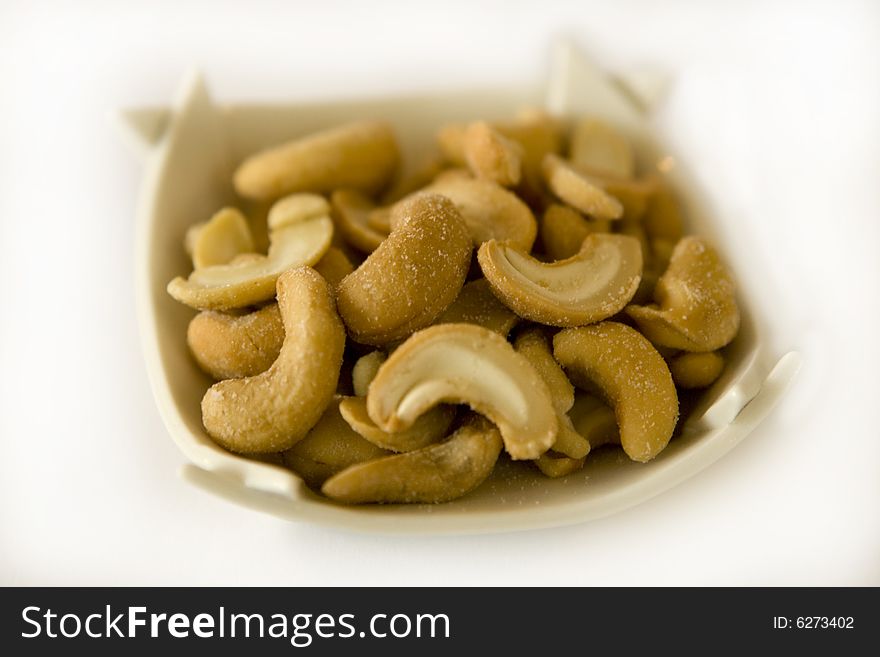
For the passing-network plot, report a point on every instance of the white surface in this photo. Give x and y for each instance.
(774, 104)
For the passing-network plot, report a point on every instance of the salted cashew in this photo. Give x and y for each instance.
(230, 346)
(379, 220)
(334, 266)
(590, 286)
(578, 190)
(412, 277)
(597, 145)
(271, 411)
(555, 465)
(634, 194)
(296, 208)
(696, 370)
(220, 239)
(428, 428)
(489, 210)
(491, 155)
(433, 474)
(364, 371)
(351, 211)
(294, 241)
(410, 181)
(663, 218)
(594, 420)
(696, 307)
(465, 364)
(329, 447)
(630, 374)
(564, 229)
(361, 155)
(476, 304)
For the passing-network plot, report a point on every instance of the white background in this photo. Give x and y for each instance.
(775, 104)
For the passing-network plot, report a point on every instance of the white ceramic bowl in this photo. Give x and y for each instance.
(190, 152)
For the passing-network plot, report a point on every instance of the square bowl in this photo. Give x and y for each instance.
(190, 151)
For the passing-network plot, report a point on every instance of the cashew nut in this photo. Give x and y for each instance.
(433, 474)
(351, 211)
(334, 266)
(365, 370)
(594, 420)
(476, 304)
(293, 244)
(564, 229)
(696, 307)
(361, 155)
(329, 447)
(662, 217)
(220, 239)
(235, 346)
(590, 286)
(468, 364)
(696, 370)
(554, 465)
(271, 411)
(412, 277)
(491, 155)
(631, 375)
(428, 428)
(410, 181)
(598, 146)
(576, 189)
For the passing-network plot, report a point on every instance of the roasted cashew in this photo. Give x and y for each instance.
(220, 239)
(662, 219)
(329, 447)
(365, 370)
(696, 370)
(594, 420)
(360, 155)
(433, 474)
(491, 155)
(428, 428)
(554, 465)
(295, 241)
(351, 211)
(411, 181)
(271, 411)
(235, 346)
(597, 145)
(476, 304)
(696, 307)
(631, 375)
(578, 190)
(334, 266)
(467, 364)
(564, 229)
(590, 286)
(412, 277)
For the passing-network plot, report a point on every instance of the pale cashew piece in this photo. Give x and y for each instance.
(634, 194)
(329, 447)
(433, 474)
(466, 364)
(410, 181)
(412, 277)
(696, 307)
(428, 428)
(351, 211)
(365, 370)
(334, 266)
(564, 229)
(491, 155)
(590, 286)
(554, 465)
(489, 210)
(476, 304)
(361, 155)
(296, 208)
(696, 370)
(594, 420)
(271, 411)
(597, 145)
(250, 281)
(218, 240)
(235, 346)
(632, 377)
(578, 190)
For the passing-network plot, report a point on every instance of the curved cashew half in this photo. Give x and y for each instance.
(555, 466)
(696, 370)
(235, 346)
(294, 242)
(476, 304)
(351, 212)
(433, 474)
(594, 420)
(631, 375)
(218, 240)
(598, 146)
(564, 229)
(578, 190)
(696, 305)
(412, 277)
(491, 155)
(334, 266)
(590, 286)
(467, 364)
(270, 412)
(329, 447)
(428, 428)
(364, 371)
(360, 155)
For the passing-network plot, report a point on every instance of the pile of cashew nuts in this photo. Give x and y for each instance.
(388, 337)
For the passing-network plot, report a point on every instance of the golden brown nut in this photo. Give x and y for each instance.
(634, 194)
(578, 190)
(360, 155)
(564, 229)
(476, 304)
(491, 155)
(411, 181)
(433, 474)
(329, 447)
(271, 411)
(696, 307)
(235, 346)
(555, 465)
(351, 211)
(590, 286)
(597, 145)
(220, 239)
(662, 219)
(427, 429)
(696, 370)
(631, 375)
(334, 266)
(412, 277)
(465, 364)
(365, 370)
(594, 420)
